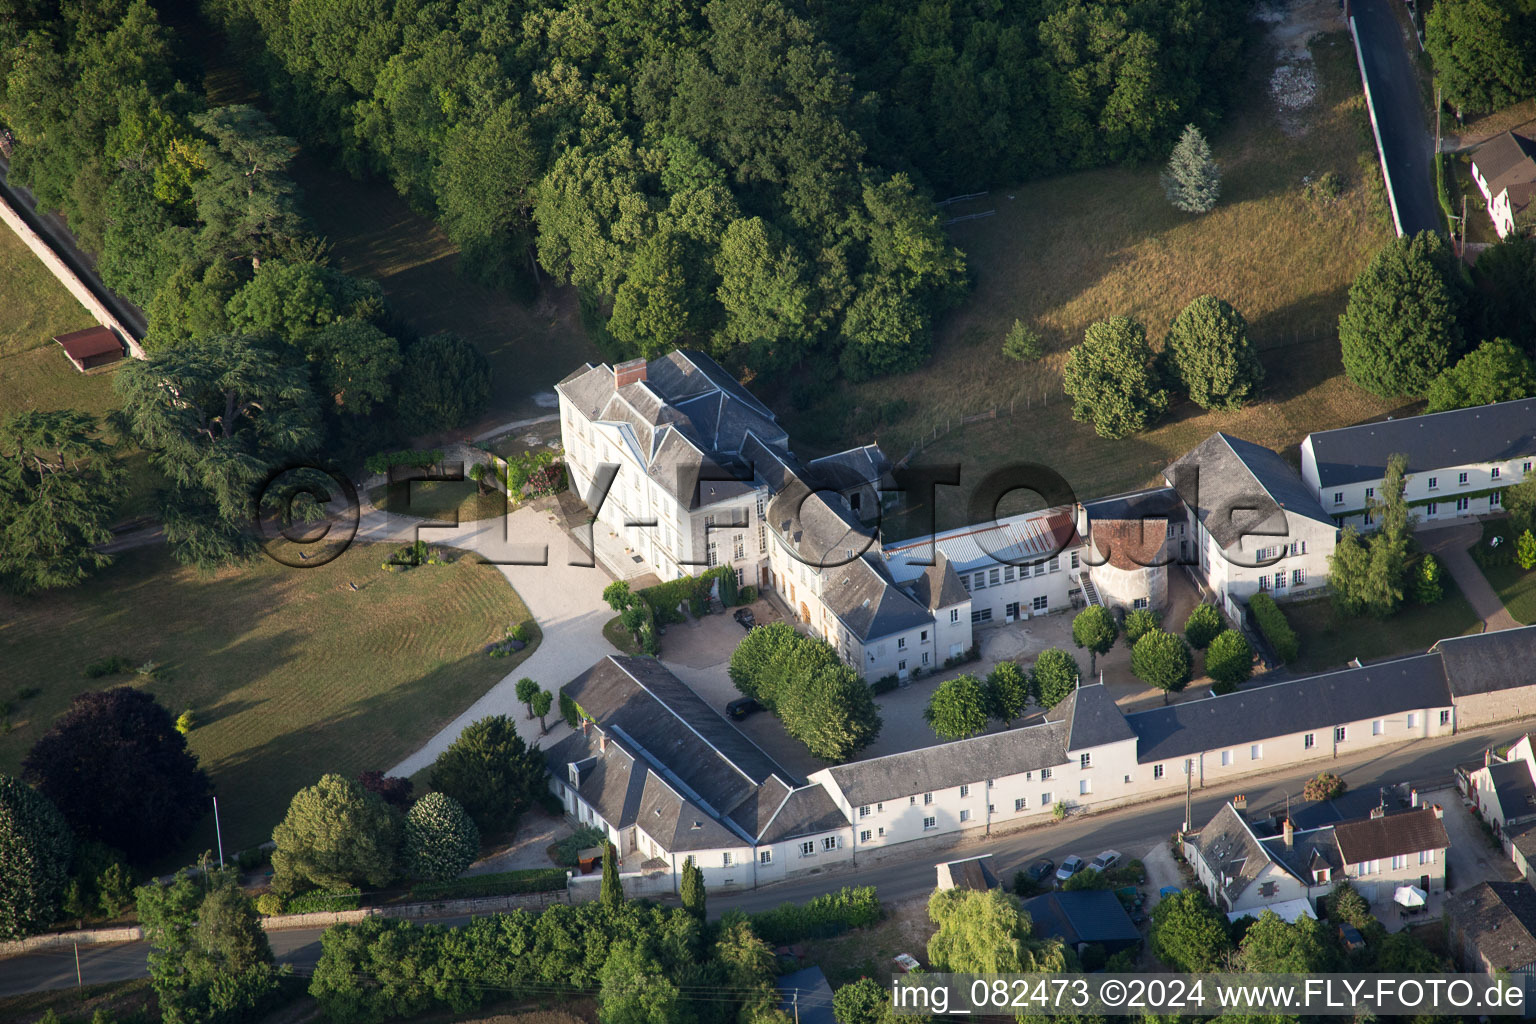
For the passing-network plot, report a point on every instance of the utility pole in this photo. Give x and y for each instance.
(218, 832)
(79, 981)
(1189, 786)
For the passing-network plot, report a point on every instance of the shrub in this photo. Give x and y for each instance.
(186, 721)
(885, 684)
(269, 904)
(1324, 786)
(323, 901)
(440, 839)
(585, 837)
(1023, 343)
(829, 914)
(112, 665)
(492, 773)
(1203, 625)
(1059, 810)
(746, 595)
(1274, 626)
(504, 883)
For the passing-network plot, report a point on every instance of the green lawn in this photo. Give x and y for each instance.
(1516, 587)
(1067, 251)
(290, 672)
(1329, 639)
(445, 501)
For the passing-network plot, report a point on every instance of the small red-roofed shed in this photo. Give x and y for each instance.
(94, 346)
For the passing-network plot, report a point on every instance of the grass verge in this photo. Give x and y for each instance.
(290, 672)
(1330, 639)
(615, 633)
(1516, 587)
(453, 501)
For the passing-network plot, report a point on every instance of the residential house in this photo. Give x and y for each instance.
(668, 779)
(1236, 870)
(1458, 462)
(1492, 929)
(1504, 792)
(1257, 527)
(1087, 917)
(1492, 675)
(1505, 171)
(1392, 849)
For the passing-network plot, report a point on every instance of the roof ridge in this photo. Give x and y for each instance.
(1419, 416)
(951, 743)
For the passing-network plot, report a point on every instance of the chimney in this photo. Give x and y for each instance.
(631, 372)
(586, 726)
(1487, 757)
(1439, 811)
(602, 742)
(1378, 812)
(1289, 834)
(1413, 797)
(1240, 803)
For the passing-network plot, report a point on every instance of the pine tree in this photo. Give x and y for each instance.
(1192, 181)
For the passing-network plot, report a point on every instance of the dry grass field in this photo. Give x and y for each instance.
(1062, 253)
(290, 672)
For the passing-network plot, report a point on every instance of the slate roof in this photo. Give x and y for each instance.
(947, 765)
(1390, 835)
(1088, 915)
(1487, 662)
(973, 873)
(1517, 794)
(1161, 502)
(867, 464)
(1022, 539)
(807, 811)
(1232, 852)
(1318, 702)
(1483, 433)
(1499, 919)
(1506, 160)
(1235, 486)
(868, 601)
(1091, 717)
(805, 996)
(938, 586)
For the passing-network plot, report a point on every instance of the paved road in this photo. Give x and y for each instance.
(1450, 544)
(1399, 114)
(903, 874)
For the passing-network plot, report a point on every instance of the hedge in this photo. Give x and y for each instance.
(663, 598)
(381, 462)
(505, 883)
(319, 901)
(1272, 623)
(825, 916)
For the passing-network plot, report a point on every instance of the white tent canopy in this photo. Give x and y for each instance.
(1410, 896)
(1289, 911)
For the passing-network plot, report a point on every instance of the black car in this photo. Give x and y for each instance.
(1041, 869)
(741, 707)
(745, 617)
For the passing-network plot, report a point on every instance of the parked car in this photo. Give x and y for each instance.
(1106, 860)
(1069, 867)
(741, 707)
(1040, 870)
(745, 617)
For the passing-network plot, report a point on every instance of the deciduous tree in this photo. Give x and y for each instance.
(527, 689)
(35, 847)
(1110, 381)
(1495, 371)
(1055, 676)
(1094, 628)
(1229, 660)
(1481, 52)
(1138, 623)
(1007, 691)
(1203, 625)
(1427, 588)
(986, 933)
(1273, 946)
(1161, 660)
(1215, 361)
(958, 708)
(1187, 932)
(444, 382)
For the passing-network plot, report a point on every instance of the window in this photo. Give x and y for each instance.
(925, 657)
(911, 801)
(1340, 734)
(930, 823)
(1264, 582)
(1139, 602)
(1298, 577)
(829, 843)
(994, 577)
(1045, 799)
(1226, 758)
(765, 856)
(1019, 804)
(954, 615)
(1039, 568)
(1426, 856)
(1157, 771)
(1370, 492)
(965, 791)
(984, 615)
(1084, 786)
(1045, 773)
(1309, 741)
(1367, 866)
(965, 816)
(866, 836)
(1413, 720)
(1461, 479)
(880, 832)
(965, 581)
(1494, 473)
(1298, 547)
(1445, 718)
(1039, 603)
(1378, 727)
(927, 799)
(1012, 608)
(1280, 580)
(740, 546)
(1007, 574)
(1432, 508)
(1434, 482)
(1399, 861)
(1461, 504)
(808, 849)
(709, 521)
(901, 666)
(1085, 761)
(864, 811)
(1256, 752)
(1054, 565)
(1073, 564)
(922, 637)
(725, 860)
(981, 581)
(901, 643)
(712, 556)
(1127, 780)
(1338, 497)
(1525, 467)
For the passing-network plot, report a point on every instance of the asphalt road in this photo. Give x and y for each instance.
(1132, 830)
(1399, 114)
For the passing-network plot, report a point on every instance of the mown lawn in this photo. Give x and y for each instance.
(1065, 252)
(1329, 639)
(290, 672)
(450, 501)
(1516, 587)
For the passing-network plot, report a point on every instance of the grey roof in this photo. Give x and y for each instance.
(947, 765)
(1517, 794)
(1313, 702)
(1231, 851)
(1499, 920)
(866, 465)
(1092, 718)
(1487, 662)
(1390, 835)
(805, 996)
(868, 602)
(939, 586)
(1237, 488)
(1023, 539)
(1088, 915)
(974, 873)
(1482, 433)
(1506, 160)
(1154, 502)
(807, 811)
(1311, 850)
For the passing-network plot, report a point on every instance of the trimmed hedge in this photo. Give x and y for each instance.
(1272, 623)
(825, 916)
(505, 883)
(318, 901)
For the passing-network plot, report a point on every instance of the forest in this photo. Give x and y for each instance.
(755, 179)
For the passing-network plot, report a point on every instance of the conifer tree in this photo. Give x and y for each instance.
(1192, 181)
